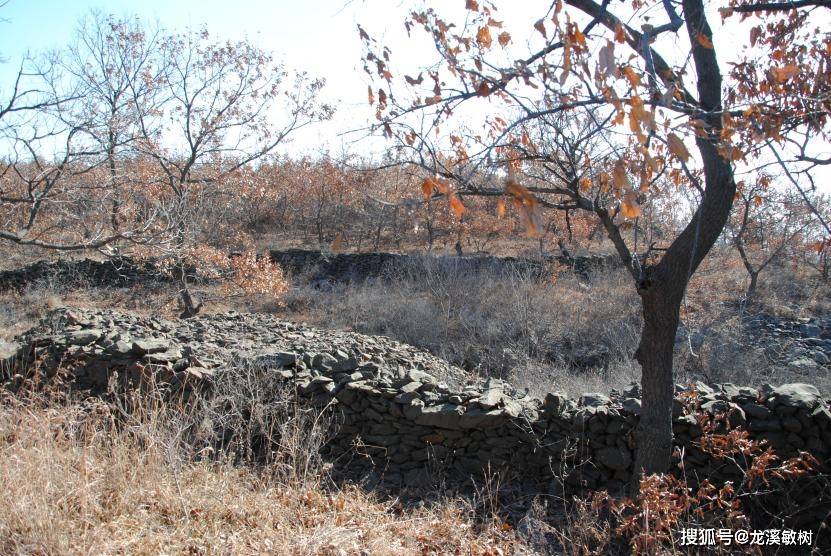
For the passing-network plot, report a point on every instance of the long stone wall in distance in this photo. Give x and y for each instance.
(405, 413)
(344, 267)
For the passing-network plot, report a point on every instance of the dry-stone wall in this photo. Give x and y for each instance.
(331, 267)
(343, 267)
(115, 272)
(405, 413)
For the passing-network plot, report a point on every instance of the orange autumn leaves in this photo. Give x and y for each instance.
(523, 201)
(528, 207)
(433, 185)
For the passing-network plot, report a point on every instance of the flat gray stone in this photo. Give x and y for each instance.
(593, 399)
(150, 345)
(445, 416)
(83, 337)
(797, 395)
(479, 418)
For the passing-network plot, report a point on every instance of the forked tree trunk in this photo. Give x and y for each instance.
(662, 286)
(754, 282)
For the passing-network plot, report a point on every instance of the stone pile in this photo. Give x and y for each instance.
(804, 344)
(406, 414)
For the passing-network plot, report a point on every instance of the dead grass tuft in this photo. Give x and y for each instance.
(79, 477)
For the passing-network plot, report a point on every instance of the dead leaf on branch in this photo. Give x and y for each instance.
(677, 147)
(483, 37)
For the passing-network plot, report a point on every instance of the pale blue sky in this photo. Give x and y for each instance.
(286, 24)
(318, 36)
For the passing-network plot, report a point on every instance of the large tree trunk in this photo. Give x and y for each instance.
(754, 282)
(661, 306)
(662, 286)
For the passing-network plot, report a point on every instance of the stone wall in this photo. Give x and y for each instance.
(332, 267)
(407, 415)
(344, 267)
(115, 272)
(319, 266)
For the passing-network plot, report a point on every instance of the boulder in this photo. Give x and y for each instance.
(797, 395)
(445, 416)
(613, 457)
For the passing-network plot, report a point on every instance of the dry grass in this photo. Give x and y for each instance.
(80, 478)
(495, 323)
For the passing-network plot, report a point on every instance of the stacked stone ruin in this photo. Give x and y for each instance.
(407, 416)
(320, 266)
(344, 267)
(116, 272)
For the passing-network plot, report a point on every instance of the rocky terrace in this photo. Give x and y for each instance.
(405, 416)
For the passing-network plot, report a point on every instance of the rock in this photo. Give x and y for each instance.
(613, 457)
(169, 356)
(445, 416)
(479, 418)
(756, 411)
(324, 361)
(121, 348)
(491, 398)
(703, 389)
(410, 387)
(820, 358)
(199, 373)
(809, 330)
(83, 337)
(803, 364)
(632, 391)
(346, 365)
(797, 395)
(716, 406)
(593, 399)
(730, 390)
(632, 405)
(417, 478)
(822, 416)
(554, 403)
(150, 345)
(279, 359)
(758, 425)
(406, 398)
(420, 376)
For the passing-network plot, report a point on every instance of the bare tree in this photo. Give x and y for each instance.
(668, 103)
(223, 106)
(764, 227)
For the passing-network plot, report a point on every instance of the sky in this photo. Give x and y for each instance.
(319, 36)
